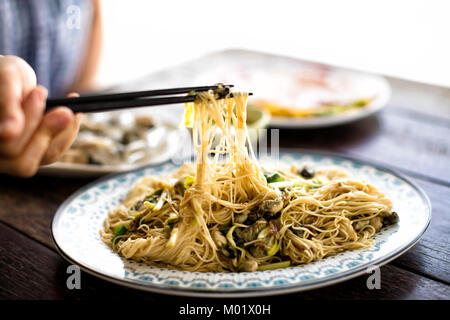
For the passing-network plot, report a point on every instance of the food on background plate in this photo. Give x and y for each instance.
(315, 93)
(116, 138)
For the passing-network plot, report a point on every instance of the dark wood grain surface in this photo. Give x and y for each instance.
(411, 135)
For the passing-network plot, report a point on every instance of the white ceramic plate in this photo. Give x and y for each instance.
(76, 226)
(76, 170)
(169, 141)
(275, 78)
(379, 85)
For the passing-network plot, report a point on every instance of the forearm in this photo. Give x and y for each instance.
(90, 61)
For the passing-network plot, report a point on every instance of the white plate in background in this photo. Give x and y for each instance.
(272, 77)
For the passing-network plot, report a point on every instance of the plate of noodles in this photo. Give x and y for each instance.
(322, 97)
(231, 223)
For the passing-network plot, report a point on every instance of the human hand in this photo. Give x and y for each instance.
(29, 137)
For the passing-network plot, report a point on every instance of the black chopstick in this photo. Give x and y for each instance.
(123, 104)
(108, 102)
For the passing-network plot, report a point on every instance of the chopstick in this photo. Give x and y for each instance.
(108, 102)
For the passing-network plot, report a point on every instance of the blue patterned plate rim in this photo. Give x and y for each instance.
(259, 291)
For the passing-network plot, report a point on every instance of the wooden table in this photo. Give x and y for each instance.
(411, 135)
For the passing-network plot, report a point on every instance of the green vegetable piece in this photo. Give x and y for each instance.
(153, 198)
(119, 231)
(173, 237)
(172, 219)
(273, 249)
(149, 204)
(359, 103)
(273, 177)
(170, 222)
(264, 233)
(168, 229)
(273, 266)
(230, 239)
(309, 188)
(188, 182)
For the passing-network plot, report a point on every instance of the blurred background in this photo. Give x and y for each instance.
(406, 39)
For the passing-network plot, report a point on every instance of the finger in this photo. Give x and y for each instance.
(27, 163)
(73, 95)
(33, 108)
(17, 79)
(62, 141)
